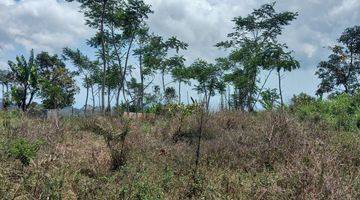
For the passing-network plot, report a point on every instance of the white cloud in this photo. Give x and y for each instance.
(201, 23)
(52, 24)
(345, 6)
(309, 50)
(40, 24)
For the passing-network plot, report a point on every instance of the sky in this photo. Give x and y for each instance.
(50, 25)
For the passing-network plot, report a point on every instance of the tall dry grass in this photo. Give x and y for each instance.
(268, 155)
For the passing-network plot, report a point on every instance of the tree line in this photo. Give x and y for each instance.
(128, 58)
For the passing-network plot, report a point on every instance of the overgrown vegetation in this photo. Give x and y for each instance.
(268, 155)
(166, 149)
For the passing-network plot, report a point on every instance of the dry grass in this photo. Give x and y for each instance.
(243, 156)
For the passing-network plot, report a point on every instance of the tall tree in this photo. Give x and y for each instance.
(96, 12)
(130, 21)
(277, 57)
(179, 72)
(208, 77)
(26, 80)
(341, 71)
(85, 68)
(118, 23)
(248, 43)
(57, 83)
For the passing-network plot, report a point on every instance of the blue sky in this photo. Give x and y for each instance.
(51, 25)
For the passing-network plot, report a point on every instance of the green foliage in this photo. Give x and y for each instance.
(170, 95)
(254, 46)
(181, 109)
(25, 79)
(155, 109)
(24, 150)
(209, 78)
(341, 112)
(302, 99)
(341, 71)
(145, 190)
(57, 83)
(269, 99)
(167, 178)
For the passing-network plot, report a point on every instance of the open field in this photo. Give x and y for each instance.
(268, 155)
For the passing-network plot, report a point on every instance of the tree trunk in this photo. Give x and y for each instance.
(99, 96)
(86, 99)
(103, 55)
(280, 89)
(3, 92)
(23, 100)
(208, 103)
(142, 84)
(124, 74)
(187, 97)
(108, 109)
(93, 98)
(179, 92)
(31, 98)
(163, 80)
(118, 92)
(126, 101)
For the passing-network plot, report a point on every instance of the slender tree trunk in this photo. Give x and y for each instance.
(86, 99)
(179, 92)
(280, 89)
(118, 92)
(122, 74)
(142, 84)
(208, 103)
(99, 95)
(126, 100)
(31, 98)
(262, 87)
(125, 69)
(205, 99)
(3, 93)
(222, 101)
(24, 97)
(163, 80)
(187, 97)
(109, 100)
(93, 98)
(103, 55)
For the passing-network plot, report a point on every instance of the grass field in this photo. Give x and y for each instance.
(267, 155)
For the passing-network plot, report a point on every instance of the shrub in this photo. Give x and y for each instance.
(24, 150)
(114, 137)
(341, 112)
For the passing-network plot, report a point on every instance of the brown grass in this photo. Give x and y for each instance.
(243, 156)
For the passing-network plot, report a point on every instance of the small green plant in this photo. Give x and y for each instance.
(155, 109)
(167, 179)
(24, 150)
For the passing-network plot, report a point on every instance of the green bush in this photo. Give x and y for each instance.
(24, 150)
(341, 112)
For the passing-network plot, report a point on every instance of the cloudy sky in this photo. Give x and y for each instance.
(53, 24)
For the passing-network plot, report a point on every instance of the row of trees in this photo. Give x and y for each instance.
(129, 58)
(44, 76)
